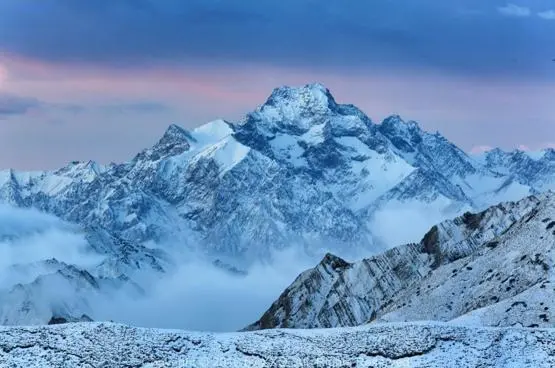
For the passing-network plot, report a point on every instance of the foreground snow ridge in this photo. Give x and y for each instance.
(388, 345)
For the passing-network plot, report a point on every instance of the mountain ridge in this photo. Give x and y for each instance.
(462, 270)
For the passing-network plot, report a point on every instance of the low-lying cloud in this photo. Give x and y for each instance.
(28, 237)
(391, 227)
(201, 296)
(16, 105)
(195, 295)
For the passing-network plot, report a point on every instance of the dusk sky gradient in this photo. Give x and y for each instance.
(102, 79)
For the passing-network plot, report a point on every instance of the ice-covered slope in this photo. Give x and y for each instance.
(300, 170)
(398, 345)
(494, 267)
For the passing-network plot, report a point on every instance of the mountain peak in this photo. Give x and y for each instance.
(403, 134)
(549, 153)
(496, 151)
(334, 262)
(289, 110)
(314, 98)
(175, 141)
(314, 89)
(396, 122)
(175, 134)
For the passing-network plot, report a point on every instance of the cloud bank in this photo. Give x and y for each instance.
(208, 33)
(28, 237)
(16, 105)
(200, 296)
(195, 295)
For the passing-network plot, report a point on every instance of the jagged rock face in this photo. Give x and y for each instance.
(505, 282)
(431, 152)
(57, 320)
(301, 169)
(400, 345)
(463, 268)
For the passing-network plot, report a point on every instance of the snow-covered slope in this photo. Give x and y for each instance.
(506, 282)
(493, 268)
(397, 345)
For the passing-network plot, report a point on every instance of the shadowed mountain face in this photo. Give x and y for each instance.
(301, 171)
(493, 268)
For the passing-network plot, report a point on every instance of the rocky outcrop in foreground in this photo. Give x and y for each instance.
(493, 268)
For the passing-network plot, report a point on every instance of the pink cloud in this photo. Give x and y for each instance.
(425, 96)
(3, 75)
(463, 109)
(536, 147)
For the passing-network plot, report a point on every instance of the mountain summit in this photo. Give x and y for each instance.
(175, 141)
(310, 99)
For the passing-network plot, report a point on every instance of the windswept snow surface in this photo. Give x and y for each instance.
(430, 345)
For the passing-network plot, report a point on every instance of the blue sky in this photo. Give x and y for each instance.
(101, 79)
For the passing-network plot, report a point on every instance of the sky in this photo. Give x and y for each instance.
(102, 79)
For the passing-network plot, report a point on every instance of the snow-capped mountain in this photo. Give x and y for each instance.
(299, 171)
(493, 268)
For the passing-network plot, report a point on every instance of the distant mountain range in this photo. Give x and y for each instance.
(300, 171)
